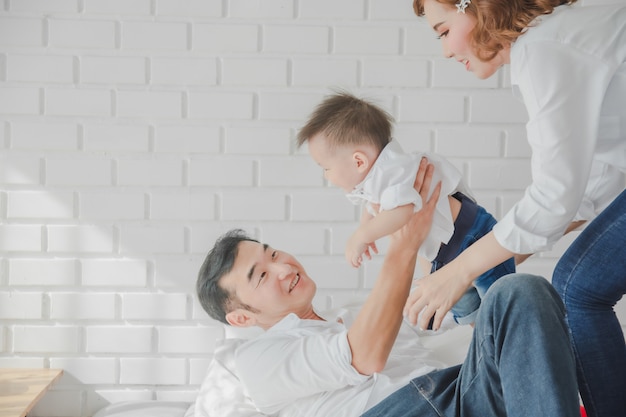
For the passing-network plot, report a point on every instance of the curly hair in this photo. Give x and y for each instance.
(499, 22)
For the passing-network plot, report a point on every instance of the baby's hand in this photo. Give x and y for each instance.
(355, 250)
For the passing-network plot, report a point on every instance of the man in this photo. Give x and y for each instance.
(519, 363)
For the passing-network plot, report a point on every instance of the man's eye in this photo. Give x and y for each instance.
(443, 35)
(274, 254)
(261, 278)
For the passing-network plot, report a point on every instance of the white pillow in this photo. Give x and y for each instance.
(221, 393)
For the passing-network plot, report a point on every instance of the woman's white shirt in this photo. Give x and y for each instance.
(570, 70)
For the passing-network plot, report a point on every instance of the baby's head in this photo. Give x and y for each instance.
(345, 135)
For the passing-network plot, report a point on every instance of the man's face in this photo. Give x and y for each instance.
(271, 282)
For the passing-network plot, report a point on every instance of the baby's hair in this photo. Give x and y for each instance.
(348, 120)
(499, 22)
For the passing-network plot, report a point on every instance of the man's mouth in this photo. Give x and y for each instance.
(294, 282)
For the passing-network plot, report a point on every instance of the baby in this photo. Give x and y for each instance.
(350, 138)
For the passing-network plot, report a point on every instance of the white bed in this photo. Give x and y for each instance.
(219, 391)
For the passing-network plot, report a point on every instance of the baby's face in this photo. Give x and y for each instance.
(341, 167)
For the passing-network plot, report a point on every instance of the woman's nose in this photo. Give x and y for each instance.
(282, 271)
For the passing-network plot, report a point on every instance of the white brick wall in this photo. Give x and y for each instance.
(134, 133)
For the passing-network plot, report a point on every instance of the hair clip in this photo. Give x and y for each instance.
(462, 5)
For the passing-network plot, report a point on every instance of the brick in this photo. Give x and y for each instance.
(383, 40)
(114, 206)
(179, 273)
(257, 140)
(118, 137)
(254, 72)
(395, 73)
(187, 139)
(448, 73)
(268, 205)
(324, 72)
(118, 7)
(301, 172)
(93, 172)
(81, 239)
(152, 239)
(503, 174)
(16, 31)
(196, 8)
(84, 33)
(413, 139)
(160, 371)
(21, 362)
(71, 102)
(119, 339)
(497, 108)
(84, 306)
(154, 35)
(20, 305)
(149, 104)
(324, 205)
(150, 306)
(181, 71)
(288, 237)
(40, 204)
(44, 6)
(421, 40)
(162, 172)
(266, 9)
(222, 171)
(227, 39)
(19, 170)
(322, 9)
(332, 273)
(44, 136)
(64, 403)
(295, 39)
(40, 69)
(430, 107)
(114, 272)
(287, 106)
(112, 70)
(19, 100)
(188, 339)
(36, 272)
(182, 206)
(48, 339)
(469, 142)
(15, 238)
(391, 9)
(221, 105)
(88, 370)
(516, 144)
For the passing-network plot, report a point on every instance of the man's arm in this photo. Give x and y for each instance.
(374, 331)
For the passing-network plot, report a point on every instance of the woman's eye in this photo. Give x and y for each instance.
(274, 254)
(261, 278)
(443, 34)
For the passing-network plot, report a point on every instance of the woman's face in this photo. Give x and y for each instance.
(454, 30)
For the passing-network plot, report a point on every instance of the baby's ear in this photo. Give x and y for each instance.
(361, 161)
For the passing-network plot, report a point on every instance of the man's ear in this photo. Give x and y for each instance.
(361, 161)
(240, 318)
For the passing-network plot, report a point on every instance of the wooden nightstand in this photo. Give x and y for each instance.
(20, 389)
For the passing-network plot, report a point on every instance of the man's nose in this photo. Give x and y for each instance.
(282, 271)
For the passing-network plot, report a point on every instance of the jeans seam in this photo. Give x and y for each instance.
(427, 399)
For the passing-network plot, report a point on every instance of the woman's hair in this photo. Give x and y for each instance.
(348, 120)
(499, 22)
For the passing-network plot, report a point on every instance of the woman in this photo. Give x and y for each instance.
(568, 64)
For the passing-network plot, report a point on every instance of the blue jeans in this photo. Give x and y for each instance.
(467, 231)
(591, 278)
(520, 362)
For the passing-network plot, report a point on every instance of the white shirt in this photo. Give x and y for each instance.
(570, 70)
(389, 183)
(302, 368)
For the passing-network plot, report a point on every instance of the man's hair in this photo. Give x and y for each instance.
(214, 299)
(347, 120)
(499, 22)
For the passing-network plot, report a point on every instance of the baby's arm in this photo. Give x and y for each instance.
(373, 228)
